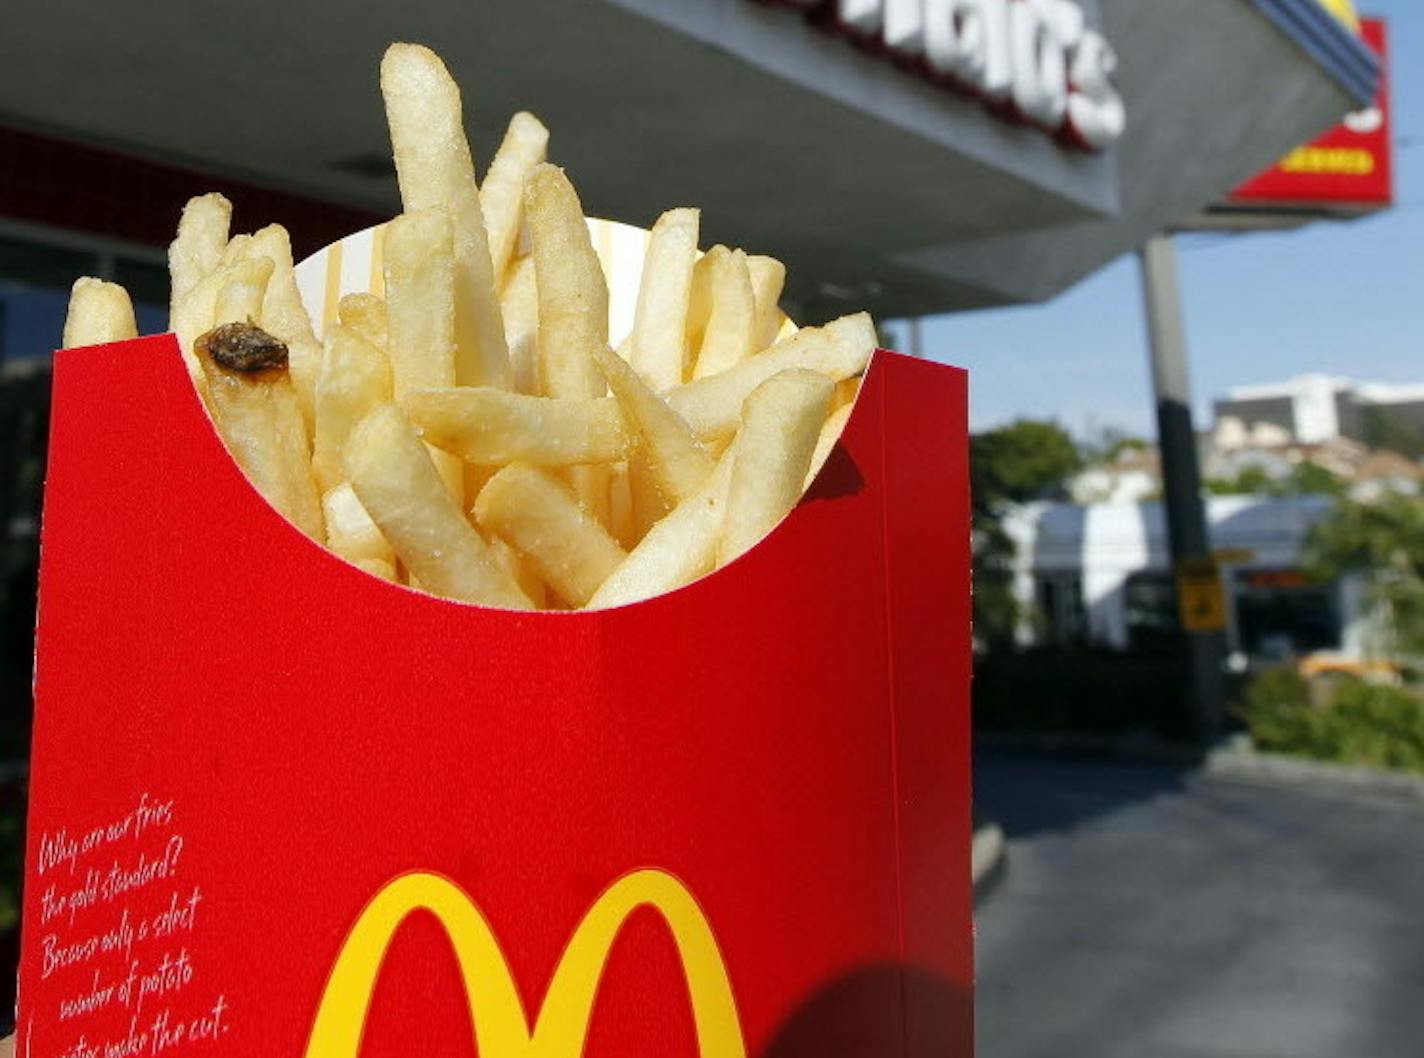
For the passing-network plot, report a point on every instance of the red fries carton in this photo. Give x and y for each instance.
(281, 807)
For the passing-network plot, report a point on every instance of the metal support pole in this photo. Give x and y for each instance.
(1188, 541)
(916, 337)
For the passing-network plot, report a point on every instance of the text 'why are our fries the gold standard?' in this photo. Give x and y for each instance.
(470, 432)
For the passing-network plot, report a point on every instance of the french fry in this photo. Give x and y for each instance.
(521, 572)
(677, 550)
(491, 427)
(840, 349)
(435, 169)
(847, 389)
(520, 303)
(420, 314)
(678, 464)
(235, 250)
(650, 503)
(730, 334)
(621, 523)
(420, 300)
(699, 303)
(256, 413)
(197, 312)
(573, 307)
(355, 378)
(590, 484)
(525, 144)
(393, 477)
(781, 422)
(366, 315)
(197, 250)
(239, 300)
(573, 296)
(768, 276)
(538, 515)
(99, 313)
(350, 532)
(284, 316)
(831, 432)
(455, 433)
(192, 315)
(376, 568)
(659, 340)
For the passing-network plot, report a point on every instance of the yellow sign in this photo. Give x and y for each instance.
(1201, 604)
(1350, 161)
(1344, 10)
(498, 1021)
(1233, 555)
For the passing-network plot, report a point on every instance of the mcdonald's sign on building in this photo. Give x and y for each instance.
(280, 808)
(1347, 170)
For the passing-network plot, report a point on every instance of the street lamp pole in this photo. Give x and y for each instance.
(1198, 583)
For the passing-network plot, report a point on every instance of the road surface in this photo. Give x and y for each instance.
(1150, 913)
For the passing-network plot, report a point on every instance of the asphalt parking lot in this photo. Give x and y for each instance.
(1155, 913)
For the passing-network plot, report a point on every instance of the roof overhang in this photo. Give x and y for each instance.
(878, 188)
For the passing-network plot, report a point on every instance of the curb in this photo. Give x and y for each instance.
(1233, 758)
(989, 859)
(1249, 764)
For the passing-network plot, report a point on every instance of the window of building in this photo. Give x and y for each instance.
(35, 277)
(1150, 605)
(1063, 617)
(1281, 612)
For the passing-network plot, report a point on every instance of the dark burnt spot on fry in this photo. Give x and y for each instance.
(243, 347)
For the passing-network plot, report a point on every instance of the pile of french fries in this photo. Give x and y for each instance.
(472, 434)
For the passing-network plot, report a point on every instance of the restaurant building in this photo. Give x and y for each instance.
(908, 156)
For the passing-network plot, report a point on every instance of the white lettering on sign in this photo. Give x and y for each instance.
(1036, 59)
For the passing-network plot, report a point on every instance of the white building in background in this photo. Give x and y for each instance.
(1311, 409)
(1100, 573)
(1135, 475)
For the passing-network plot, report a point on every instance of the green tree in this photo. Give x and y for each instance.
(1024, 460)
(1384, 541)
(1311, 479)
(1305, 479)
(1249, 481)
(1110, 444)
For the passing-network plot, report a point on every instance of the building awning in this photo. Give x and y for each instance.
(878, 186)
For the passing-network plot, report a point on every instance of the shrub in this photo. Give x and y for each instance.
(1357, 723)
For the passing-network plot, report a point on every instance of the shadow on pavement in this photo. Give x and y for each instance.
(1029, 793)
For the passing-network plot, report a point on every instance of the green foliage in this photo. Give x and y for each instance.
(1358, 723)
(1311, 479)
(1305, 479)
(1252, 481)
(1013, 463)
(1024, 460)
(996, 611)
(1384, 540)
(1109, 445)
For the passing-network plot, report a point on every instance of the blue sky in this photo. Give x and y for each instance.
(1343, 298)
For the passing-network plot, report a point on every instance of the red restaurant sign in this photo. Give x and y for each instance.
(1347, 169)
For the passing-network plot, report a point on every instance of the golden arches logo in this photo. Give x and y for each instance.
(498, 1021)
